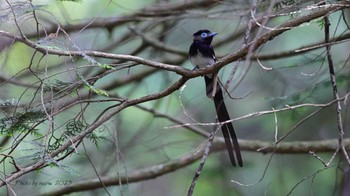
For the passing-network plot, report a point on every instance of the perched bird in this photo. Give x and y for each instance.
(202, 55)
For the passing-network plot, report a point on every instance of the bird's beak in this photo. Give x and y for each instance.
(212, 34)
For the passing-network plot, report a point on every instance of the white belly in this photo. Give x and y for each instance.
(201, 62)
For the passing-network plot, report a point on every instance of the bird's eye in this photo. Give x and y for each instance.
(204, 35)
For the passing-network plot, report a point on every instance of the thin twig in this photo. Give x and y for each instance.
(204, 157)
(335, 89)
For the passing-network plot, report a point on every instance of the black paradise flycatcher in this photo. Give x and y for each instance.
(202, 55)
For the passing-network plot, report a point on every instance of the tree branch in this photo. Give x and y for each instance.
(189, 158)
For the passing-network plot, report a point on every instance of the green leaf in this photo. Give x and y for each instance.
(320, 23)
(96, 90)
(105, 66)
(90, 87)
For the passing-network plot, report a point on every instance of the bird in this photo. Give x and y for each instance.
(202, 55)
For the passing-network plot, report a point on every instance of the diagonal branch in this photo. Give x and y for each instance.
(322, 10)
(335, 90)
(98, 122)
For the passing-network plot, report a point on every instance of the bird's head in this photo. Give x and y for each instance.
(204, 36)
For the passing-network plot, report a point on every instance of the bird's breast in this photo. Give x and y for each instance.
(201, 61)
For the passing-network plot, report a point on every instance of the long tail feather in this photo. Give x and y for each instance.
(227, 128)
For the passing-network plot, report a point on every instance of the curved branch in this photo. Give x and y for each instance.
(324, 10)
(187, 74)
(302, 49)
(153, 11)
(98, 122)
(189, 158)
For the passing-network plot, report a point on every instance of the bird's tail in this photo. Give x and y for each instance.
(227, 128)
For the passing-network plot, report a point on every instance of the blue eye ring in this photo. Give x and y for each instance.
(204, 35)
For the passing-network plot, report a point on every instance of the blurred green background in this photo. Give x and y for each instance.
(134, 138)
